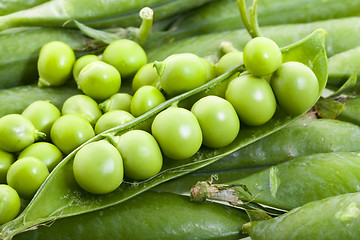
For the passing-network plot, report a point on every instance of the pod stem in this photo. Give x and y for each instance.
(250, 21)
(146, 14)
(39, 135)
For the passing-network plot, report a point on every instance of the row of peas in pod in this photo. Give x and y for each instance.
(42, 135)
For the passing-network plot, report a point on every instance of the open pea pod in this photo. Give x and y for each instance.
(60, 195)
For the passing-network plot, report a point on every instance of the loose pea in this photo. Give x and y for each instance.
(6, 159)
(26, 175)
(84, 106)
(81, 62)
(146, 75)
(228, 61)
(112, 119)
(70, 131)
(42, 114)
(9, 203)
(46, 152)
(118, 101)
(55, 63)
(144, 99)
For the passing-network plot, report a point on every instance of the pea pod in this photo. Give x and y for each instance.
(60, 195)
(14, 6)
(334, 217)
(202, 20)
(293, 183)
(94, 13)
(283, 35)
(150, 215)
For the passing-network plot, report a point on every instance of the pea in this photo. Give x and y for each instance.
(126, 56)
(9, 203)
(144, 99)
(26, 175)
(218, 121)
(55, 63)
(228, 61)
(6, 159)
(262, 56)
(99, 80)
(180, 73)
(98, 167)
(84, 106)
(146, 75)
(46, 152)
(42, 114)
(295, 86)
(210, 69)
(118, 101)
(81, 62)
(252, 98)
(17, 132)
(141, 154)
(178, 133)
(70, 131)
(112, 119)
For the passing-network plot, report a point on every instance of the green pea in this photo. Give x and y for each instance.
(42, 114)
(228, 61)
(55, 63)
(146, 75)
(81, 62)
(118, 101)
(46, 152)
(10, 203)
(84, 106)
(6, 159)
(144, 99)
(112, 119)
(210, 69)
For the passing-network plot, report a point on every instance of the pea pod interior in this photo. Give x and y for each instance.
(60, 195)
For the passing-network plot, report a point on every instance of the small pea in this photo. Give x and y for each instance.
(112, 119)
(9, 203)
(146, 75)
(146, 98)
(81, 62)
(118, 101)
(228, 61)
(6, 159)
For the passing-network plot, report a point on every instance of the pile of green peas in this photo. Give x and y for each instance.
(42, 134)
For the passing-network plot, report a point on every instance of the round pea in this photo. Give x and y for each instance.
(17, 132)
(6, 159)
(84, 106)
(98, 167)
(46, 152)
(295, 86)
(252, 98)
(9, 203)
(70, 131)
(26, 176)
(55, 63)
(99, 80)
(146, 75)
(178, 133)
(126, 56)
(112, 119)
(81, 62)
(218, 121)
(228, 62)
(118, 101)
(42, 114)
(262, 56)
(144, 99)
(141, 154)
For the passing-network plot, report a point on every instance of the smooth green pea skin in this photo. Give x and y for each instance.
(126, 56)
(118, 101)
(6, 159)
(98, 167)
(55, 63)
(42, 114)
(262, 56)
(144, 99)
(81, 62)
(26, 175)
(17, 132)
(9, 203)
(228, 62)
(46, 152)
(178, 133)
(70, 131)
(146, 75)
(141, 154)
(295, 86)
(218, 120)
(210, 69)
(84, 106)
(252, 98)
(112, 119)
(180, 73)
(99, 80)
